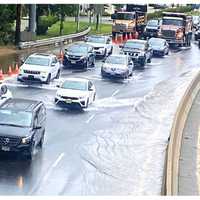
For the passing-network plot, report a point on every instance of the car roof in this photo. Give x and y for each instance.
(136, 40)
(80, 44)
(43, 55)
(17, 104)
(161, 39)
(77, 79)
(99, 36)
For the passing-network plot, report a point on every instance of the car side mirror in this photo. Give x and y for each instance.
(58, 86)
(53, 64)
(121, 46)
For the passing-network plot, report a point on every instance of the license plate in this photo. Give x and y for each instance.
(68, 101)
(5, 148)
(73, 62)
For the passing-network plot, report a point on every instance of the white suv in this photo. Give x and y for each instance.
(40, 67)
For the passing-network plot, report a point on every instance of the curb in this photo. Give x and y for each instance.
(174, 147)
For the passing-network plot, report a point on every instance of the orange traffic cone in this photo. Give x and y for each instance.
(1, 75)
(10, 71)
(126, 37)
(16, 69)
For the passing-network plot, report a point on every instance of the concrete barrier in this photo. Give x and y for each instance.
(53, 40)
(174, 147)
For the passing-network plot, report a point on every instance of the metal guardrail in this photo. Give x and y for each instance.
(174, 147)
(53, 40)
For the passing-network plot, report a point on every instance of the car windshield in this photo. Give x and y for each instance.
(135, 45)
(156, 42)
(15, 118)
(96, 40)
(152, 23)
(74, 85)
(33, 60)
(124, 16)
(116, 60)
(176, 22)
(78, 49)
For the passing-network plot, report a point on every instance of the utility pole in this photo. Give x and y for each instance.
(78, 17)
(18, 24)
(32, 20)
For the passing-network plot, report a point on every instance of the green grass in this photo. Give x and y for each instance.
(70, 27)
(194, 13)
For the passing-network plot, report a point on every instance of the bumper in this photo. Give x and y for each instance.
(151, 34)
(158, 53)
(113, 74)
(71, 103)
(21, 148)
(33, 78)
(77, 63)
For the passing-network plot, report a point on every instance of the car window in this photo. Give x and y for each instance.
(41, 113)
(36, 60)
(89, 85)
(54, 60)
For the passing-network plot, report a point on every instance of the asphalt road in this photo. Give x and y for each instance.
(61, 168)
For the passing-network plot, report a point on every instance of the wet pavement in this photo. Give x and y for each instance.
(68, 160)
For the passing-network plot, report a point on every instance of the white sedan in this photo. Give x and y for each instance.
(5, 94)
(75, 92)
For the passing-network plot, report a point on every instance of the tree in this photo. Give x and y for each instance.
(18, 24)
(7, 17)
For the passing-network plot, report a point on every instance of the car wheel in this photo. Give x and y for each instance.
(143, 63)
(48, 79)
(86, 65)
(111, 51)
(86, 106)
(58, 75)
(105, 53)
(40, 144)
(29, 155)
(93, 63)
(167, 52)
(149, 60)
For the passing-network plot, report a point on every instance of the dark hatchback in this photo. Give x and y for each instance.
(22, 126)
(79, 55)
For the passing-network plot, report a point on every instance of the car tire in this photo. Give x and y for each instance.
(87, 103)
(143, 63)
(149, 60)
(48, 79)
(86, 65)
(93, 63)
(40, 144)
(105, 53)
(58, 75)
(29, 156)
(111, 51)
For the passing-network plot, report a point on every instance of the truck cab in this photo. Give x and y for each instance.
(176, 28)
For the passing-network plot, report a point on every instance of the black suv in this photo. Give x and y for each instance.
(22, 126)
(79, 55)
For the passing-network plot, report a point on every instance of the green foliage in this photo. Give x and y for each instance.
(158, 14)
(7, 17)
(45, 22)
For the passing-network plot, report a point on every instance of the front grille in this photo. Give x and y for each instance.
(168, 33)
(74, 57)
(131, 53)
(151, 30)
(31, 72)
(96, 48)
(9, 141)
(72, 98)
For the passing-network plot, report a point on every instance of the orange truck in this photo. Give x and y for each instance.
(132, 20)
(176, 28)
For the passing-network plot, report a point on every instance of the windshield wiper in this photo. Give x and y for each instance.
(15, 125)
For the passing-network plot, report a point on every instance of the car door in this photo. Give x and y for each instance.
(148, 51)
(37, 135)
(90, 55)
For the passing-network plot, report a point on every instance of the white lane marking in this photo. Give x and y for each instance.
(52, 167)
(58, 160)
(114, 93)
(90, 119)
(34, 189)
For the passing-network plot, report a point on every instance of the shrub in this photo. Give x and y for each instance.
(44, 23)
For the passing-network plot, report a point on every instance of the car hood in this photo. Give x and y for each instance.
(152, 27)
(35, 67)
(71, 93)
(96, 44)
(116, 66)
(14, 131)
(132, 50)
(76, 54)
(156, 47)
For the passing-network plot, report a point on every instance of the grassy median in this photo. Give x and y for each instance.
(70, 27)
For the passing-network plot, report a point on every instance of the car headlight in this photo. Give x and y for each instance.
(58, 95)
(26, 140)
(44, 73)
(82, 57)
